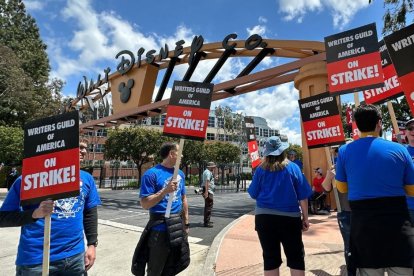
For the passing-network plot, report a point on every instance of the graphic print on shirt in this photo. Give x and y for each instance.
(179, 178)
(65, 208)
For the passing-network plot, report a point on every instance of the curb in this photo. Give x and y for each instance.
(210, 262)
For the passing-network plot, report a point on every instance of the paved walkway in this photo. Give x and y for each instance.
(240, 253)
(235, 251)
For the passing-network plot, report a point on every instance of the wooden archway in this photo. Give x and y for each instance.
(306, 66)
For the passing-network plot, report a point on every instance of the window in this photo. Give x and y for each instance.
(211, 122)
(245, 151)
(102, 133)
(256, 129)
(265, 132)
(210, 136)
(155, 121)
(99, 148)
(162, 119)
(220, 122)
(221, 137)
(261, 132)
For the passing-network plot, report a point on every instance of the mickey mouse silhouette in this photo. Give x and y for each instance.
(125, 90)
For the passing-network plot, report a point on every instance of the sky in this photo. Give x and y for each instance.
(84, 36)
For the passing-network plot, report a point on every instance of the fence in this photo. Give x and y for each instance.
(229, 177)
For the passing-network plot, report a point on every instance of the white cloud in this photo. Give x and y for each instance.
(258, 29)
(278, 105)
(262, 19)
(342, 11)
(33, 5)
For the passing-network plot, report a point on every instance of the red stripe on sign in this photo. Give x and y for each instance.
(391, 88)
(407, 84)
(355, 72)
(50, 174)
(186, 122)
(324, 131)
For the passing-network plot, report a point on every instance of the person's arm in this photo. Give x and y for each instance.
(207, 185)
(327, 182)
(90, 226)
(305, 218)
(185, 212)
(20, 218)
(152, 200)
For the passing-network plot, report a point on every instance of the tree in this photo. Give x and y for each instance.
(223, 153)
(297, 149)
(16, 90)
(193, 153)
(230, 123)
(396, 14)
(19, 32)
(25, 68)
(11, 145)
(133, 143)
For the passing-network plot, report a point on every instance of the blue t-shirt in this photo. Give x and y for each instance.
(299, 163)
(66, 236)
(373, 167)
(410, 199)
(156, 179)
(279, 190)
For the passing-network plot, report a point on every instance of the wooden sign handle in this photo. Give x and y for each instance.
(46, 246)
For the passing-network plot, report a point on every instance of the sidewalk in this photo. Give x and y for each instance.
(239, 251)
(234, 251)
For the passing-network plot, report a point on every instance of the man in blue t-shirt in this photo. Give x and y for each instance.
(377, 174)
(409, 133)
(71, 218)
(157, 186)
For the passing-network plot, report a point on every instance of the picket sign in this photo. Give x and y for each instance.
(46, 246)
(176, 168)
(394, 122)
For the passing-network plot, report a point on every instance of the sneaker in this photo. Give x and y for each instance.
(208, 225)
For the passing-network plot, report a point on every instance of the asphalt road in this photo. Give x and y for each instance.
(123, 207)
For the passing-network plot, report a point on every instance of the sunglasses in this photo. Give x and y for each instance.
(411, 128)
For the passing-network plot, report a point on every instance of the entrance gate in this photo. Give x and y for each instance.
(132, 86)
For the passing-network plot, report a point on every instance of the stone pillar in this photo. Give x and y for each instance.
(313, 80)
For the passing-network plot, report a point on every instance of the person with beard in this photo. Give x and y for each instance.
(377, 174)
(72, 220)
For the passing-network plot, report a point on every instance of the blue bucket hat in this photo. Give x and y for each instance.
(274, 146)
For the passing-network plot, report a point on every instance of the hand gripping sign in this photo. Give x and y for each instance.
(50, 165)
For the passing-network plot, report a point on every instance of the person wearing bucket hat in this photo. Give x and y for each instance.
(208, 192)
(281, 192)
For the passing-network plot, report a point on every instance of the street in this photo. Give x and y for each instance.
(122, 208)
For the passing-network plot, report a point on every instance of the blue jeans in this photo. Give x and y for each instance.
(344, 222)
(71, 266)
